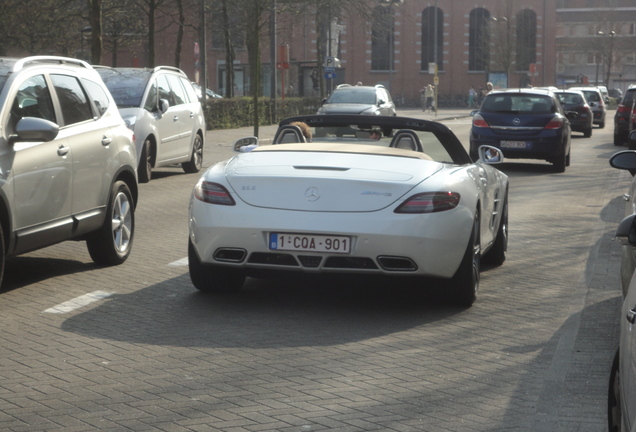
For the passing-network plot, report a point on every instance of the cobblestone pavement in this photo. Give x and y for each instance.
(145, 352)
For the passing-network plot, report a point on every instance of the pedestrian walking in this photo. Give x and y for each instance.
(472, 94)
(429, 94)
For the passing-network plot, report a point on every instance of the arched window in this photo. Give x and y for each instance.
(526, 39)
(382, 38)
(478, 40)
(431, 23)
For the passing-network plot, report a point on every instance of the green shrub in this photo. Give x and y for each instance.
(230, 113)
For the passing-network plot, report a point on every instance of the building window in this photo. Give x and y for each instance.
(478, 40)
(429, 25)
(382, 38)
(526, 39)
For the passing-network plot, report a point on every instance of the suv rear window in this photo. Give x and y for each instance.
(356, 96)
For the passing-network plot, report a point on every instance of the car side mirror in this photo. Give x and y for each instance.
(626, 159)
(34, 129)
(163, 105)
(626, 231)
(247, 144)
(381, 102)
(490, 155)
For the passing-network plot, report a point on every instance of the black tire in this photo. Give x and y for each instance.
(618, 140)
(3, 257)
(144, 171)
(213, 279)
(474, 156)
(112, 243)
(587, 133)
(496, 256)
(464, 284)
(560, 163)
(196, 161)
(601, 125)
(614, 414)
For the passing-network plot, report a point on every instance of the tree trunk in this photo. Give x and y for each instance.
(95, 20)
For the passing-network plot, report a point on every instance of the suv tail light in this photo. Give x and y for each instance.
(623, 108)
(478, 121)
(555, 123)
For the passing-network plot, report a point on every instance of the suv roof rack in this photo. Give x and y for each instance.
(20, 64)
(170, 68)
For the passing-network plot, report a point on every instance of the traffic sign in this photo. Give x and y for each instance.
(330, 64)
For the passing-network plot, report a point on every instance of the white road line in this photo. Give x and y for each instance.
(180, 263)
(78, 302)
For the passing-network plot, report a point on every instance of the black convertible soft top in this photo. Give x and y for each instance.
(388, 124)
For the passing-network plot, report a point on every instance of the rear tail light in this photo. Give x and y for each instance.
(213, 193)
(623, 109)
(555, 123)
(583, 109)
(429, 202)
(478, 121)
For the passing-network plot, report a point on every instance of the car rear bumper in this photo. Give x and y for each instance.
(536, 147)
(381, 242)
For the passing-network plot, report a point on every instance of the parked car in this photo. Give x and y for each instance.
(162, 108)
(616, 93)
(409, 204)
(68, 161)
(597, 102)
(523, 123)
(365, 100)
(621, 400)
(625, 117)
(209, 94)
(626, 160)
(574, 100)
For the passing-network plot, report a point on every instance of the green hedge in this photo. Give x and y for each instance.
(230, 113)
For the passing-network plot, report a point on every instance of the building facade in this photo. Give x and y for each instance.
(596, 42)
(402, 44)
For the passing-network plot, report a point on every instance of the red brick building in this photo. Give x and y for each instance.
(509, 42)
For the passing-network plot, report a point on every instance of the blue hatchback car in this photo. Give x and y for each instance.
(524, 124)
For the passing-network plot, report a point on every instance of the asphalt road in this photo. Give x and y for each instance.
(137, 348)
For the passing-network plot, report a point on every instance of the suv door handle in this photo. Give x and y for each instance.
(176, 118)
(63, 150)
(631, 316)
(106, 141)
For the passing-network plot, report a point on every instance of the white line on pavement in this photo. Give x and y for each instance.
(180, 263)
(78, 302)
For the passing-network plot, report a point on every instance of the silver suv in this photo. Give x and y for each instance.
(162, 108)
(365, 100)
(67, 161)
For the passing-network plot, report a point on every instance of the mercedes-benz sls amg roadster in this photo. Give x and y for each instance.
(355, 195)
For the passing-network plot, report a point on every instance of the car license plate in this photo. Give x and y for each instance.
(309, 243)
(514, 144)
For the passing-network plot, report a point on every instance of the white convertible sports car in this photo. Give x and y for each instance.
(389, 196)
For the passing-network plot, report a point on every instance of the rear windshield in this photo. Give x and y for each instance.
(126, 85)
(570, 98)
(355, 96)
(518, 103)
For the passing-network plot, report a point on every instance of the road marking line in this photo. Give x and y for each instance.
(78, 302)
(180, 263)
